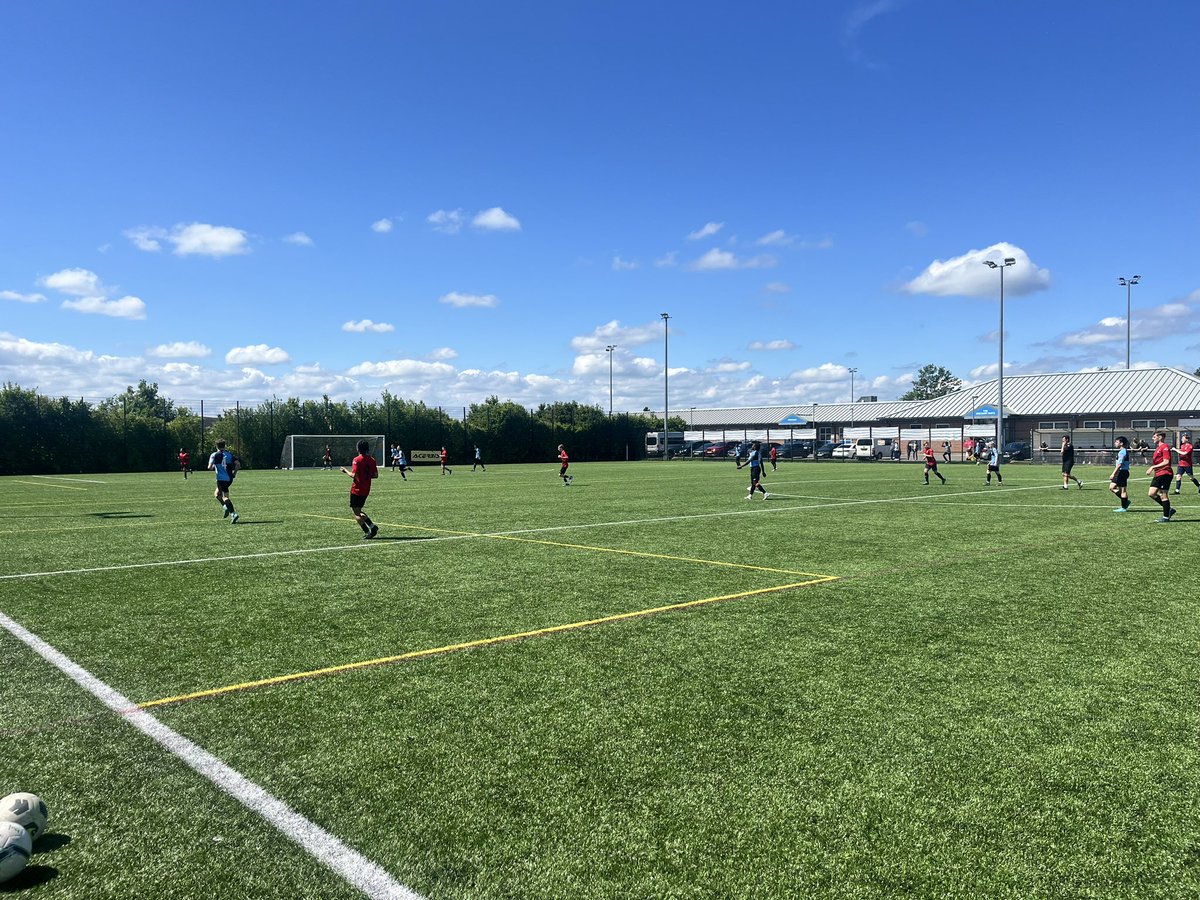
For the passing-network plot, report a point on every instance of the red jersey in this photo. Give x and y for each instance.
(445, 455)
(1185, 454)
(363, 470)
(774, 451)
(1162, 456)
(183, 459)
(562, 456)
(930, 459)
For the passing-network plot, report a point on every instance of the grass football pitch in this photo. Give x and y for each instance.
(638, 686)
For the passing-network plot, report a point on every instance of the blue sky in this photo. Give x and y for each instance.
(458, 199)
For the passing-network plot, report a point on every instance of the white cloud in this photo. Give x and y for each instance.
(772, 345)
(727, 366)
(403, 368)
(299, 238)
(146, 237)
(124, 308)
(462, 300)
(180, 350)
(706, 231)
(777, 238)
(382, 226)
(967, 276)
(613, 333)
(777, 287)
(620, 265)
(667, 260)
(826, 372)
(495, 219)
(368, 325)
(447, 221)
(256, 355)
(443, 353)
(77, 282)
(1147, 324)
(200, 239)
(716, 260)
(21, 298)
(15, 349)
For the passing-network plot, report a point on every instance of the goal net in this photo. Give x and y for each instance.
(307, 451)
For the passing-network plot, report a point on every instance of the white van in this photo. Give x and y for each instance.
(868, 448)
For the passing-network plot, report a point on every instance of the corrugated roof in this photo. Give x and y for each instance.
(1119, 392)
(1115, 392)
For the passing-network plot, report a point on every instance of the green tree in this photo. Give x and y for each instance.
(932, 381)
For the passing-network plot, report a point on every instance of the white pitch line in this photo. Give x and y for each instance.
(69, 478)
(756, 510)
(356, 869)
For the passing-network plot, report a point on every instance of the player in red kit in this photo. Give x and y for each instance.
(931, 464)
(362, 472)
(1185, 462)
(1160, 476)
(566, 461)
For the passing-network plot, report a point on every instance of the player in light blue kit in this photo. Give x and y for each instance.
(1118, 481)
(225, 465)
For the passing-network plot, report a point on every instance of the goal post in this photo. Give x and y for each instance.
(307, 451)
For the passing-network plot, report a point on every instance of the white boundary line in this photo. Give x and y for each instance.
(351, 865)
(70, 478)
(756, 510)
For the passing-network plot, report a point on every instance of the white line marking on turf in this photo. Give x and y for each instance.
(70, 478)
(355, 868)
(763, 508)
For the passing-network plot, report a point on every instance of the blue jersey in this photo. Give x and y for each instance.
(1123, 460)
(755, 459)
(994, 456)
(221, 460)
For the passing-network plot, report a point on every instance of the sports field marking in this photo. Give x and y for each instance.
(70, 478)
(356, 869)
(65, 487)
(482, 642)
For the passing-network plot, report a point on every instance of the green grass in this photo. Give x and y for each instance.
(997, 697)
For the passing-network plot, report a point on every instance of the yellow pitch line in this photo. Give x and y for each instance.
(524, 540)
(65, 487)
(483, 642)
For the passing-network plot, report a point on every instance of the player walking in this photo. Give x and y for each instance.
(327, 459)
(445, 468)
(774, 457)
(931, 464)
(1068, 462)
(224, 464)
(1160, 475)
(566, 462)
(754, 461)
(1118, 481)
(993, 457)
(362, 471)
(1185, 462)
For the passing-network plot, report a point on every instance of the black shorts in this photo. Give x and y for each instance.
(1067, 467)
(223, 486)
(992, 468)
(563, 470)
(357, 501)
(1184, 471)
(930, 467)
(1161, 482)
(1121, 478)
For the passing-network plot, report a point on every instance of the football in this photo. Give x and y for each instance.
(26, 810)
(15, 847)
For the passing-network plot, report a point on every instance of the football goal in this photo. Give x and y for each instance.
(307, 451)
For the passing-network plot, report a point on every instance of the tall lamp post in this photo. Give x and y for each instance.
(1008, 261)
(1128, 284)
(609, 350)
(666, 375)
(852, 407)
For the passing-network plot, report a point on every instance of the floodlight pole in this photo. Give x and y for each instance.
(1128, 283)
(852, 407)
(609, 350)
(1008, 261)
(666, 393)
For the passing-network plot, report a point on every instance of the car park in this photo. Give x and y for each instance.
(795, 449)
(825, 451)
(1015, 450)
(720, 449)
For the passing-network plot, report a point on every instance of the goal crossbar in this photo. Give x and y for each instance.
(307, 451)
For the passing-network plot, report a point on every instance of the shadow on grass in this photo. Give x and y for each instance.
(30, 877)
(120, 515)
(243, 522)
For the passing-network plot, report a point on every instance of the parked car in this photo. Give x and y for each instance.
(720, 449)
(879, 448)
(699, 447)
(795, 449)
(1017, 450)
(843, 450)
(825, 451)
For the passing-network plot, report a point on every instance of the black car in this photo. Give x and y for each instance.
(795, 449)
(825, 451)
(1017, 450)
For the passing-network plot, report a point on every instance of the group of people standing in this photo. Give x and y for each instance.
(1160, 472)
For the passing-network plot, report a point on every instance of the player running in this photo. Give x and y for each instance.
(362, 471)
(184, 462)
(224, 464)
(1118, 481)
(566, 462)
(931, 464)
(1160, 475)
(1185, 462)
